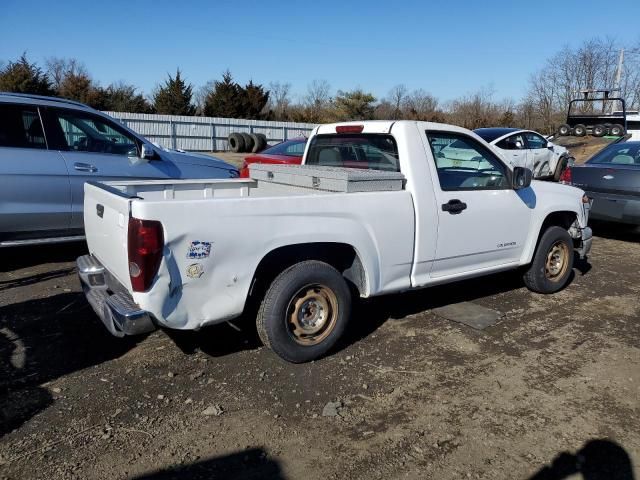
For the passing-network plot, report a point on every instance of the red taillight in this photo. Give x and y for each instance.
(145, 242)
(566, 176)
(349, 128)
(244, 170)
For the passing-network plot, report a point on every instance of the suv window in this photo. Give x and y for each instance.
(369, 151)
(513, 142)
(84, 132)
(20, 127)
(535, 141)
(463, 163)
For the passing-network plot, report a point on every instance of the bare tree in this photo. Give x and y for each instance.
(59, 69)
(396, 98)
(279, 100)
(317, 100)
(421, 105)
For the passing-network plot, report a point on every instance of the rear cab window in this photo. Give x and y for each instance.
(365, 150)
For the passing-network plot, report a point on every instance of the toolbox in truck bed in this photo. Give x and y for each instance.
(332, 179)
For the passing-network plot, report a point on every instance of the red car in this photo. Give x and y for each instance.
(287, 152)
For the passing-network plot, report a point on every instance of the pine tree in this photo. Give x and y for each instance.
(225, 99)
(174, 97)
(255, 98)
(24, 77)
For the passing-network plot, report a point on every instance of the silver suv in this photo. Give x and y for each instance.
(49, 147)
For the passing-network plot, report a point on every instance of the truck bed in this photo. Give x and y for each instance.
(240, 215)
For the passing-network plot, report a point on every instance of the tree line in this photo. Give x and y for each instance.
(593, 64)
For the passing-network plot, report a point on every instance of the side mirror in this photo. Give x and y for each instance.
(519, 144)
(521, 177)
(147, 152)
(550, 145)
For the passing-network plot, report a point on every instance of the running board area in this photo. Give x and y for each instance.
(41, 241)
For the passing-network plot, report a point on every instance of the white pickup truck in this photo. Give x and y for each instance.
(185, 254)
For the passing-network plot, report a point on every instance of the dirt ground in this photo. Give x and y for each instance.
(551, 389)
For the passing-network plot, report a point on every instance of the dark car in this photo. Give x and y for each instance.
(287, 152)
(612, 179)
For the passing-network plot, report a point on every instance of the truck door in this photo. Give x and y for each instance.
(482, 222)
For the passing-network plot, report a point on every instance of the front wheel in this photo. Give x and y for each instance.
(304, 312)
(552, 263)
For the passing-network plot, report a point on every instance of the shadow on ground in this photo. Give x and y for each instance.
(598, 460)
(42, 340)
(250, 464)
(24, 257)
(616, 231)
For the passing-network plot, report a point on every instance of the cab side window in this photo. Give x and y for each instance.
(463, 163)
(84, 132)
(535, 141)
(514, 142)
(20, 127)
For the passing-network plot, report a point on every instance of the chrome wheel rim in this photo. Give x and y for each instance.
(312, 314)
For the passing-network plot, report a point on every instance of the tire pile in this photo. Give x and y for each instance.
(247, 142)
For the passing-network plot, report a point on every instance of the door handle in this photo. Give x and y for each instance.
(454, 206)
(84, 167)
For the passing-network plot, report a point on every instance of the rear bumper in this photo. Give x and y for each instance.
(111, 301)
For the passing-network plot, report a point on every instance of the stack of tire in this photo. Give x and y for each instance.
(247, 142)
(580, 130)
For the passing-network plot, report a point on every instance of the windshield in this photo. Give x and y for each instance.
(369, 151)
(627, 153)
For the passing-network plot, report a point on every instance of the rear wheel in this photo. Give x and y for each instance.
(579, 130)
(552, 263)
(564, 130)
(599, 131)
(616, 130)
(304, 312)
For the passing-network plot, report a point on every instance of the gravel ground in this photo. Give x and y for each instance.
(553, 387)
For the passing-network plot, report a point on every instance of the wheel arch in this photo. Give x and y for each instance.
(560, 218)
(342, 256)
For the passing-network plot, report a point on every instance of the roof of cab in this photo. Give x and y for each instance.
(385, 126)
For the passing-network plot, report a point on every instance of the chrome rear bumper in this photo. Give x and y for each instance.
(111, 301)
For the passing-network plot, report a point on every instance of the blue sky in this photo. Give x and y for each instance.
(448, 48)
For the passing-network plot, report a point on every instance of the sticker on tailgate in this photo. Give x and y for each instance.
(199, 249)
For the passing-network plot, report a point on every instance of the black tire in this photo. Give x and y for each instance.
(579, 130)
(248, 142)
(543, 274)
(599, 131)
(236, 143)
(564, 130)
(257, 143)
(310, 280)
(616, 130)
(263, 141)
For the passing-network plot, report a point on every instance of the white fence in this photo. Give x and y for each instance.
(205, 133)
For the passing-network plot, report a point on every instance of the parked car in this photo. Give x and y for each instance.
(302, 238)
(287, 152)
(49, 147)
(612, 179)
(526, 148)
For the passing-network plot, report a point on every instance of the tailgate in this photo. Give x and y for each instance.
(106, 219)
